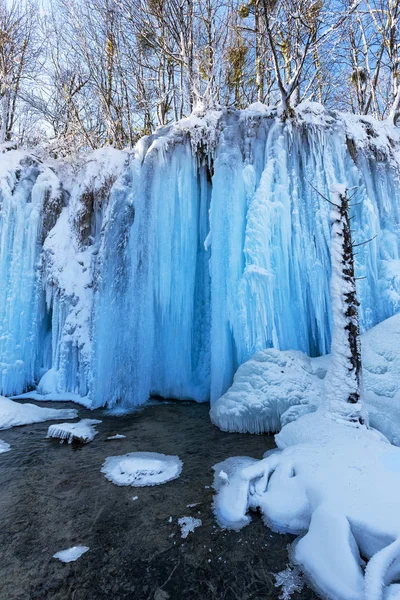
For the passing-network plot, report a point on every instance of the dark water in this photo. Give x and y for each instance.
(53, 496)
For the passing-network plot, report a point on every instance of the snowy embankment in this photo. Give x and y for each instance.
(13, 414)
(275, 387)
(335, 485)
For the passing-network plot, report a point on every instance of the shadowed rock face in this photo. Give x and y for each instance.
(54, 496)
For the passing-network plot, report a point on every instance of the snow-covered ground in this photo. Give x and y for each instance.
(141, 468)
(83, 431)
(274, 387)
(13, 414)
(335, 485)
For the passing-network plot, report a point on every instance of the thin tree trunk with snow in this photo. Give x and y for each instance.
(344, 381)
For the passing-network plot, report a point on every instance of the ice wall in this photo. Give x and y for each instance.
(30, 199)
(210, 245)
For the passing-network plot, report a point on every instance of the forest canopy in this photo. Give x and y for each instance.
(83, 74)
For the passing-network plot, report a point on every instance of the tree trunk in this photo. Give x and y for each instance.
(344, 381)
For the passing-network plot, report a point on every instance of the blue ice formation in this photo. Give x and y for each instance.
(211, 244)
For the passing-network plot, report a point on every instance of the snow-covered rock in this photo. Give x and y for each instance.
(83, 431)
(335, 485)
(13, 413)
(142, 468)
(275, 387)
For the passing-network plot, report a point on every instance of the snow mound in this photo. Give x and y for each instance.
(264, 385)
(13, 414)
(4, 447)
(275, 387)
(188, 525)
(83, 431)
(71, 554)
(335, 485)
(141, 468)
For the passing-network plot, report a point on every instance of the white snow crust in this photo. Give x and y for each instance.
(275, 387)
(188, 525)
(337, 486)
(71, 554)
(13, 414)
(83, 431)
(141, 468)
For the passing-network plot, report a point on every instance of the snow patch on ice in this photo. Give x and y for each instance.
(83, 431)
(71, 554)
(188, 525)
(142, 468)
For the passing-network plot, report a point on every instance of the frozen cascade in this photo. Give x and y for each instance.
(31, 198)
(210, 245)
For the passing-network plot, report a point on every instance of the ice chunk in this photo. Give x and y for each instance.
(141, 468)
(71, 554)
(13, 413)
(290, 580)
(188, 525)
(4, 447)
(83, 431)
(117, 436)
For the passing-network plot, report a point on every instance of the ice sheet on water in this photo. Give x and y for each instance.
(141, 468)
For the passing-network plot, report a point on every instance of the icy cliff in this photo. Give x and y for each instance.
(168, 267)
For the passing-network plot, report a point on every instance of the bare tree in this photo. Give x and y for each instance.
(17, 54)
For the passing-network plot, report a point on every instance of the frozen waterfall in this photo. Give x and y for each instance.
(169, 267)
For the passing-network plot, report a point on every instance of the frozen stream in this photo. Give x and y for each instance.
(54, 496)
